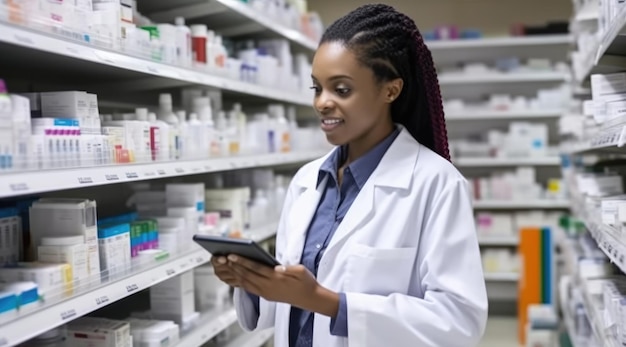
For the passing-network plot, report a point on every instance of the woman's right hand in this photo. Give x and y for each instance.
(225, 272)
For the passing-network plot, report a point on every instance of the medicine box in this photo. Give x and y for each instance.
(50, 278)
(98, 332)
(115, 248)
(66, 217)
(10, 236)
(68, 250)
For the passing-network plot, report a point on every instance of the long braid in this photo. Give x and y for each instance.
(390, 44)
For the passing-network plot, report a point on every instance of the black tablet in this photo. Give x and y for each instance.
(223, 246)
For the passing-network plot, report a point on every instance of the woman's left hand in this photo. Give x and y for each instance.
(294, 285)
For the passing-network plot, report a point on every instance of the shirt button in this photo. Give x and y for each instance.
(318, 246)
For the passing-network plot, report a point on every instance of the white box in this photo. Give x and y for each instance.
(98, 332)
(73, 104)
(114, 248)
(50, 278)
(174, 298)
(67, 217)
(75, 255)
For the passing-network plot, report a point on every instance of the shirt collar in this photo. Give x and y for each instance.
(362, 168)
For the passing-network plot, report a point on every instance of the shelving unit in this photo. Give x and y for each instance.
(597, 54)
(501, 277)
(21, 183)
(476, 115)
(522, 205)
(501, 162)
(87, 64)
(498, 241)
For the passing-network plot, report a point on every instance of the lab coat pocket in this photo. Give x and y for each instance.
(380, 271)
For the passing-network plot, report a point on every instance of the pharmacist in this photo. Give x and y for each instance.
(377, 238)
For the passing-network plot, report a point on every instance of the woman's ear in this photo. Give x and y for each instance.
(393, 89)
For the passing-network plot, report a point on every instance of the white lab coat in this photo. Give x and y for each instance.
(406, 255)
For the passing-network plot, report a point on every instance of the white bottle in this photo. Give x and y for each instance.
(221, 133)
(197, 137)
(184, 142)
(155, 138)
(141, 131)
(293, 127)
(211, 51)
(163, 131)
(205, 113)
(232, 134)
(167, 116)
(241, 124)
(183, 43)
(282, 135)
(220, 55)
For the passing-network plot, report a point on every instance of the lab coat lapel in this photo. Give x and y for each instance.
(395, 171)
(300, 216)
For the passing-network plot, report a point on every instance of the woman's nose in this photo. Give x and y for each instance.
(323, 103)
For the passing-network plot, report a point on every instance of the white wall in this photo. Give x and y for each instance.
(490, 16)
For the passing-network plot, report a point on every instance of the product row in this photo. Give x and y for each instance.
(501, 225)
(523, 140)
(52, 247)
(175, 309)
(546, 99)
(65, 129)
(453, 32)
(500, 261)
(506, 66)
(516, 185)
(117, 25)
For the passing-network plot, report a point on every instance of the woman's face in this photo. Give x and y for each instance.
(352, 106)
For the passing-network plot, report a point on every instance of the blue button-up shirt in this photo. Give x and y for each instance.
(334, 204)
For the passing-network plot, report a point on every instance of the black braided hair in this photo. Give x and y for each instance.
(390, 43)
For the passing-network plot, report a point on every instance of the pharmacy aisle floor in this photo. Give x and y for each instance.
(501, 332)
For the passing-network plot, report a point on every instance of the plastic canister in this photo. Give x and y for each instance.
(198, 42)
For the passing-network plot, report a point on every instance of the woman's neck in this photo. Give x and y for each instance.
(361, 146)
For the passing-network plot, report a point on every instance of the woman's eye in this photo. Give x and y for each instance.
(316, 89)
(342, 91)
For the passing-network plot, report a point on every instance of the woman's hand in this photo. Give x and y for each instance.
(294, 285)
(225, 272)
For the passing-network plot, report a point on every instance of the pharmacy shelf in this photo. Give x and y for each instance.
(610, 139)
(570, 326)
(53, 53)
(502, 162)
(506, 241)
(500, 42)
(487, 78)
(609, 242)
(449, 52)
(263, 233)
(254, 339)
(595, 313)
(501, 277)
(210, 325)
(49, 315)
(614, 41)
(31, 182)
(521, 205)
(472, 115)
(227, 17)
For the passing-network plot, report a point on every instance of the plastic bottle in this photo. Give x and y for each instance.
(281, 126)
(186, 145)
(156, 144)
(221, 133)
(184, 50)
(6, 130)
(199, 43)
(197, 137)
(142, 136)
(220, 54)
(211, 50)
(293, 127)
(241, 124)
(167, 116)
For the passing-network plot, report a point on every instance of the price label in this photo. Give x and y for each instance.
(153, 70)
(149, 174)
(196, 169)
(199, 260)
(18, 187)
(207, 168)
(131, 175)
(170, 272)
(102, 300)
(24, 40)
(132, 288)
(183, 265)
(85, 180)
(112, 178)
(161, 172)
(73, 51)
(69, 314)
(179, 170)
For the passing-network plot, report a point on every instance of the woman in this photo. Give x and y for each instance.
(377, 238)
